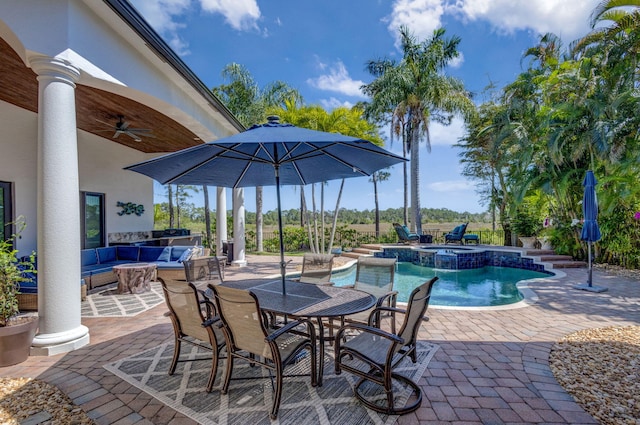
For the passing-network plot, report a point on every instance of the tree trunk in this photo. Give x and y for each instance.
(207, 217)
(170, 196)
(415, 182)
(314, 216)
(259, 220)
(377, 206)
(405, 181)
(305, 212)
(322, 218)
(335, 217)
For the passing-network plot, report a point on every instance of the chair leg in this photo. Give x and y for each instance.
(227, 374)
(214, 369)
(390, 408)
(278, 393)
(176, 355)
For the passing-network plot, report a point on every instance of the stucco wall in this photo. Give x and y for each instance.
(100, 170)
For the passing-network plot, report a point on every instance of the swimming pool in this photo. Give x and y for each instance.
(483, 287)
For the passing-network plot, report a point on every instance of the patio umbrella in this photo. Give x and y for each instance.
(270, 154)
(590, 229)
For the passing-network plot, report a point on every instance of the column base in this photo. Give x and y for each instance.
(239, 263)
(52, 344)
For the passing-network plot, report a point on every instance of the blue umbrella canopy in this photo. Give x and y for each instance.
(590, 228)
(267, 155)
(248, 159)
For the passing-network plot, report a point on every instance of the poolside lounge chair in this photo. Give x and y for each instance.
(377, 353)
(456, 235)
(405, 235)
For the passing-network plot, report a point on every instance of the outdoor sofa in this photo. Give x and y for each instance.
(97, 264)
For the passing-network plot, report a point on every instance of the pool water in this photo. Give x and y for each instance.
(483, 287)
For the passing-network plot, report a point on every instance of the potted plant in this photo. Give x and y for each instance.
(16, 331)
(526, 225)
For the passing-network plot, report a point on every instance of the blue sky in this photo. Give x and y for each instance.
(321, 48)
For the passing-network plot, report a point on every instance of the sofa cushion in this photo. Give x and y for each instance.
(169, 265)
(177, 251)
(127, 253)
(153, 253)
(88, 257)
(106, 255)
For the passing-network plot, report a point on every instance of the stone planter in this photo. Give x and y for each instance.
(16, 339)
(545, 243)
(528, 242)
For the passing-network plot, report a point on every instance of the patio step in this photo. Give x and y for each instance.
(557, 261)
(358, 252)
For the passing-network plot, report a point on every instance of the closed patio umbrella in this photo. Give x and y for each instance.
(270, 154)
(590, 229)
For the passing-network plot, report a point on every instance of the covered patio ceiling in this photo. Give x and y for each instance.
(94, 107)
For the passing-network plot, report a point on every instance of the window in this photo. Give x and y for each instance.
(92, 219)
(6, 210)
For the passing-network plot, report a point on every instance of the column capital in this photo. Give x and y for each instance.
(54, 68)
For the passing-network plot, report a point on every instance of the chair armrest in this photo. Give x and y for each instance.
(379, 309)
(213, 321)
(391, 296)
(368, 329)
(289, 327)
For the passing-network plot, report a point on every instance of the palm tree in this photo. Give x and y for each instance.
(416, 92)
(249, 104)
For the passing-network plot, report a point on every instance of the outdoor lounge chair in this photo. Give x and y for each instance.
(316, 268)
(405, 235)
(377, 353)
(248, 337)
(190, 324)
(456, 235)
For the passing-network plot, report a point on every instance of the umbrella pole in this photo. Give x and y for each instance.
(283, 265)
(590, 266)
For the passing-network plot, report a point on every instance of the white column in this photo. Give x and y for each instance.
(60, 329)
(221, 218)
(238, 228)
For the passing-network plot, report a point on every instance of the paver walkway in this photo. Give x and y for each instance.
(491, 368)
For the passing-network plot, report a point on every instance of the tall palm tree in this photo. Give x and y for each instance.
(249, 103)
(416, 92)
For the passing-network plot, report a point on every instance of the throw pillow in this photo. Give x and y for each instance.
(186, 255)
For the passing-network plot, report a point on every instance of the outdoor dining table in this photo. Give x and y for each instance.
(315, 302)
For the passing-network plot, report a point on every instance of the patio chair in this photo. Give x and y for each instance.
(191, 325)
(375, 276)
(373, 354)
(316, 268)
(405, 235)
(248, 337)
(456, 235)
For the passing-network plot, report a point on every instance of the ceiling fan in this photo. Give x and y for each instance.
(122, 127)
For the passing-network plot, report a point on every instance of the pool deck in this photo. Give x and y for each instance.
(491, 366)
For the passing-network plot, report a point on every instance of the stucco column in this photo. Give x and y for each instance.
(221, 218)
(238, 228)
(60, 329)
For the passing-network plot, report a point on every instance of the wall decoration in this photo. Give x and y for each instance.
(130, 208)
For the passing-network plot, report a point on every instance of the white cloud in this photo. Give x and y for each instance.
(420, 16)
(566, 18)
(446, 136)
(333, 103)
(451, 186)
(337, 80)
(242, 15)
(161, 16)
(457, 62)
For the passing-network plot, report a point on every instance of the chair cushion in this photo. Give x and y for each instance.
(154, 253)
(106, 255)
(128, 253)
(88, 257)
